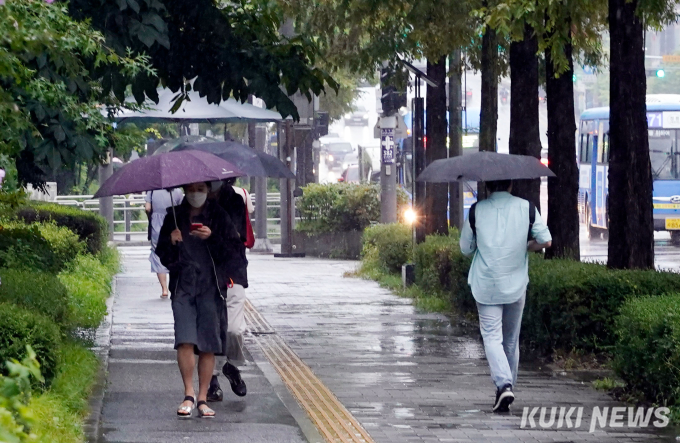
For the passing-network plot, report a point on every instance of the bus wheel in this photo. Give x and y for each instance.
(675, 238)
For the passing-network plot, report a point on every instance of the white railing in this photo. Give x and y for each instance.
(125, 207)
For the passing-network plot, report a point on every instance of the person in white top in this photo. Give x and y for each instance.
(238, 204)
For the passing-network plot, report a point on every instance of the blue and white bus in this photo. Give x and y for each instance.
(663, 122)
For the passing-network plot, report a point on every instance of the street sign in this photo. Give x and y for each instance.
(387, 145)
(671, 58)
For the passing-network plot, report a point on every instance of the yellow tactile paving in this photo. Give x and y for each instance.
(332, 419)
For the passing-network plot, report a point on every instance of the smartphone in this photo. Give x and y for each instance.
(195, 226)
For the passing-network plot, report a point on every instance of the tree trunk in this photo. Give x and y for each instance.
(631, 228)
(488, 116)
(525, 137)
(562, 190)
(437, 194)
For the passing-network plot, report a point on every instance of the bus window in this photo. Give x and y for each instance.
(585, 150)
(603, 142)
(662, 149)
(588, 131)
(605, 148)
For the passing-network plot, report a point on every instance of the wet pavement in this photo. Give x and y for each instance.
(144, 388)
(405, 375)
(409, 376)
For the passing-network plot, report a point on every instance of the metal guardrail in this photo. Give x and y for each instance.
(125, 207)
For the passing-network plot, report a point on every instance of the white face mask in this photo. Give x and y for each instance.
(216, 185)
(196, 199)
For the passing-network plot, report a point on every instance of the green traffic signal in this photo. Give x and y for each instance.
(660, 73)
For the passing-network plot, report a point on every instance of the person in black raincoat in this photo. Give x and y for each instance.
(197, 244)
(233, 201)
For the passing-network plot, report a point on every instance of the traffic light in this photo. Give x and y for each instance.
(393, 90)
(321, 122)
(658, 72)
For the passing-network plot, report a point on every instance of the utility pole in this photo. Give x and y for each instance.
(262, 243)
(106, 203)
(391, 100)
(455, 141)
(286, 154)
(388, 171)
(287, 200)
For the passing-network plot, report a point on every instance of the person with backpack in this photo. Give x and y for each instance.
(498, 233)
(237, 203)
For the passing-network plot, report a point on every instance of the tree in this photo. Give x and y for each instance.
(228, 49)
(525, 138)
(361, 34)
(631, 226)
(563, 220)
(437, 194)
(488, 118)
(50, 92)
(563, 30)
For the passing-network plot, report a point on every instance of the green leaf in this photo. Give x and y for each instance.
(134, 5)
(156, 21)
(122, 4)
(59, 134)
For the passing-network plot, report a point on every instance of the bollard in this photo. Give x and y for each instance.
(408, 274)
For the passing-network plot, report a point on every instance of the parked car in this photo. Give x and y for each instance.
(335, 152)
(358, 117)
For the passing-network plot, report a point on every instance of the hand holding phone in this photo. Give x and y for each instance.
(195, 226)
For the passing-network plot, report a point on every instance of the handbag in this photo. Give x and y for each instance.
(250, 235)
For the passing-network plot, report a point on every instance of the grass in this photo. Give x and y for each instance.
(427, 301)
(607, 384)
(87, 280)
(59, 412)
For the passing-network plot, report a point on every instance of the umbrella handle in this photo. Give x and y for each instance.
(172, 203)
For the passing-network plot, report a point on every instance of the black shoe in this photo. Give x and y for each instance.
(504, 397)
(215, 391)
(234, 376)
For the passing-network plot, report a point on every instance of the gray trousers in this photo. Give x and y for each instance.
(500, 326)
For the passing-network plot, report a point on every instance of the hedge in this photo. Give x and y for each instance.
(647, 354)
(90, 227)
(20, 327)
(24, 247)
(387, 247)
(341, 207)
(36, 291)
(569, 304)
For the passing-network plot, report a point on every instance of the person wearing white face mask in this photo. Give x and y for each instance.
(197, 244)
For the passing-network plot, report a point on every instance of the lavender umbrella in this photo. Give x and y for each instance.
(166, 171)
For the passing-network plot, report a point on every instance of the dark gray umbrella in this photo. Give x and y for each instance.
(484, 166)
(166, 171)
(253, 163)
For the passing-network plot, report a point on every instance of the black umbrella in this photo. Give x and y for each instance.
(253, 163)
(484, 166)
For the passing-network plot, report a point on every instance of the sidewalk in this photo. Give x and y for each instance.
(405, 376)
(144, 388)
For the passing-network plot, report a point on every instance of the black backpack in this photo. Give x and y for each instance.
(532, 219)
